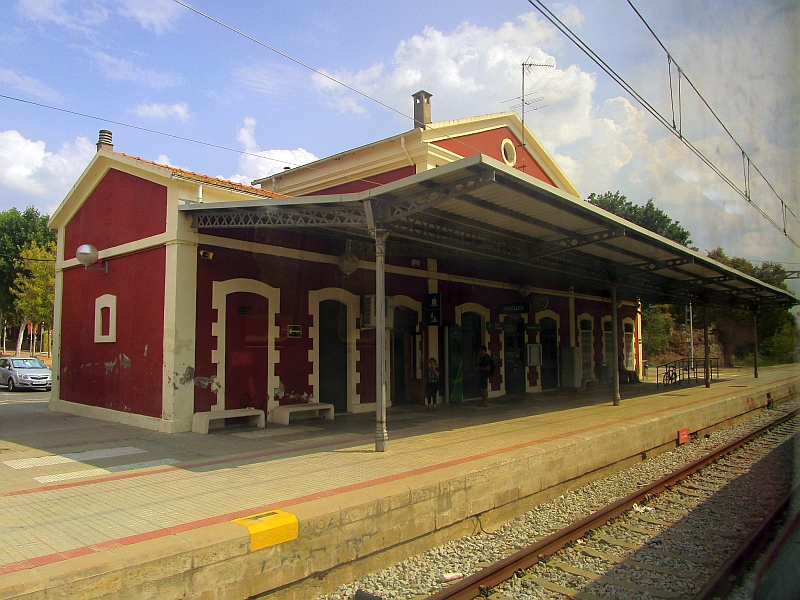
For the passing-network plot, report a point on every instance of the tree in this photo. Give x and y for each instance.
(17, 231)
(648, 215)
(34, 287)
(777, 329)
(656, 329)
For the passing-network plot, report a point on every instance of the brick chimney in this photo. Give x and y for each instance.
(104, 141)
(422, 109)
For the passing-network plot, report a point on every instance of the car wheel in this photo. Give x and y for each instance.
(11, 386)
(47, 389)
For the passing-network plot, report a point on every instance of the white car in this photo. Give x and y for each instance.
(19, 372)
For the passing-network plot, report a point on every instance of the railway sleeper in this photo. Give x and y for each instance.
(620, 583)
(612, 558)
(700, 560)
(560, 589)
(680, 529)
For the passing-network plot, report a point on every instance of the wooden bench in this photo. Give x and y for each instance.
(590, 382)
(280, 414)
(201, 420)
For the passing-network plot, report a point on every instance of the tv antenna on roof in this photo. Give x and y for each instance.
(527, 67)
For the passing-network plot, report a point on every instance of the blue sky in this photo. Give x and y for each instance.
(155, 64)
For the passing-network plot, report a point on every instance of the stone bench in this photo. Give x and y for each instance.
(590, 382)
(201, 420)
(280, 414)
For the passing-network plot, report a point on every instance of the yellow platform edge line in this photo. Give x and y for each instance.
(270, 528)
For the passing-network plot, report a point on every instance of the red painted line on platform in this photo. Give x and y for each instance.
(180, 528)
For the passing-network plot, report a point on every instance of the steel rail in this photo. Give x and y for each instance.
(493, 575)
(724, 580)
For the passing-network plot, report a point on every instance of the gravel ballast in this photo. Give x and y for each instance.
(422, 575)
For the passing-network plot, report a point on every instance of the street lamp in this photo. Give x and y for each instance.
(87, 255)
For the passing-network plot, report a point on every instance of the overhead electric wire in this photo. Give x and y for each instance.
(322, 73)
(711, 110)
(558, 24)
(156, 132)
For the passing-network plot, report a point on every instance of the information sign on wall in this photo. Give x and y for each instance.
(294, 331)
(433, 310)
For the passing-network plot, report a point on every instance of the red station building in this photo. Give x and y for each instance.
(209, 299)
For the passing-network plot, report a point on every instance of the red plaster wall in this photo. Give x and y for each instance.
(124, 375)
(488, 143)
(371, 182)
(122, 208)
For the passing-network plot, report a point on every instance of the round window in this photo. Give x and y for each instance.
(509, 152)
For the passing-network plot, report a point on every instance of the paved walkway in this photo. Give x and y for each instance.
(62, 495)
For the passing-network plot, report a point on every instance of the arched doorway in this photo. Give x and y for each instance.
(333, 354)
(548, 337)
(247, 350)
(403, 356)
(514, 354)
(472, 338)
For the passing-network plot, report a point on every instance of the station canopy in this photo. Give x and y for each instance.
(482, 214)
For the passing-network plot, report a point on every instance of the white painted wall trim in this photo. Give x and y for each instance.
(108, 301)
(115, 416)
(586, 317)
(634, 345)
(210, 240)
(353, 303)
(129, 248)
(219, 299)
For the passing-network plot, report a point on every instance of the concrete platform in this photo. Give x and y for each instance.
(90, 509)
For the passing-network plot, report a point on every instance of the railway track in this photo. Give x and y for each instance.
(680, 537)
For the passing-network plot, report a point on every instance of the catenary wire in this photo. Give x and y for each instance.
(558, 24)
(320, 73)
(162, 133)
(711, 110)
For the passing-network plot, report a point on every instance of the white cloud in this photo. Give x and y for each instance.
(80, 16)
(122, 69)
(569, 14)
(26, 165)
(266, 162)
(179, 110)
(157, 15)
(609, 143)
(84, 16)
(27, 85)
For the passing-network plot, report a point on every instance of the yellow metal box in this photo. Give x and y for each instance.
(270, 528)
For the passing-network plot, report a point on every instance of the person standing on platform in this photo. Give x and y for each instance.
(485, 370)
(431, 384)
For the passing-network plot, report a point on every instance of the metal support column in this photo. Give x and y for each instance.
(615, 345)
(755, 343)
(707, 365)
(381, 435)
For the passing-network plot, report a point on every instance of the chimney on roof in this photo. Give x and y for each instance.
(422, 108)
(104, 141)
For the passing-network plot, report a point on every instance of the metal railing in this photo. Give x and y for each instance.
(686, 369)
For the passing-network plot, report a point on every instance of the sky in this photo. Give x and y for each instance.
(155, 64)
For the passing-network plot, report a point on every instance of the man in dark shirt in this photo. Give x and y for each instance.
(485, 368)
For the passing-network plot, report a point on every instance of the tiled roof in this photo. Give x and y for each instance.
(198, 177)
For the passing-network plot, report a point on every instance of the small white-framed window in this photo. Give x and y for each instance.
(509, 152)
(105, 319)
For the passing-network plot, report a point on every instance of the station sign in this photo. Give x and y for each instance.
(433, 310)
(514, 308)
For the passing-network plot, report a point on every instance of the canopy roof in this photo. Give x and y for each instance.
(479, 210)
